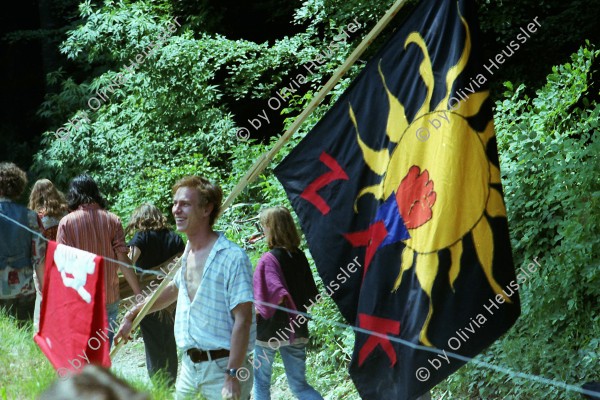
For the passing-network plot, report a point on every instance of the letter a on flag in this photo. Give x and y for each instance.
(403, 172)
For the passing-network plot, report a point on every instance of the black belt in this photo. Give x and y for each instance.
(197, 355)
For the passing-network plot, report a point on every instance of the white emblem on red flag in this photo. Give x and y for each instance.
(74, 266)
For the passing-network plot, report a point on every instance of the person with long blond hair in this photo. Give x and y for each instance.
(282, 277)
(155, 242)
(50, 205)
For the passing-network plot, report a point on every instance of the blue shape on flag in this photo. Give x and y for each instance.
(389, 214)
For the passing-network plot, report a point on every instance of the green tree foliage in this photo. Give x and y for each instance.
(168, 119)
(173, 115)
(168, 116)
(565, 25)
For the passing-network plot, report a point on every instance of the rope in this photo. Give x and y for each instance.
(476, 361)
(106, 258)
(504, 370)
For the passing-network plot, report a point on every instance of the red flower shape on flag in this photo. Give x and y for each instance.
(415, 197)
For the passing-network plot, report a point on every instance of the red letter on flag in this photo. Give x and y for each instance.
(336, 173)
(380, 325)
(372, 238)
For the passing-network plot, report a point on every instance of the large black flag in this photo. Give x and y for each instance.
(402, 176)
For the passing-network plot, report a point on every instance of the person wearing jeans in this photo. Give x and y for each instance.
(22, 253)
(294, 361)
(282, 277)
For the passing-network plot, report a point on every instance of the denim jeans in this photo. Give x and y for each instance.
(294, 360)
(205, 380)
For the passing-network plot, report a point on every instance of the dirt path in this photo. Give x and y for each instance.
(130, 363)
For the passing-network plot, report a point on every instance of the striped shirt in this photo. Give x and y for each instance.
(98, 231)
(206, 323)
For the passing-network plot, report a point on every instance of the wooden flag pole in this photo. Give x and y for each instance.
(264, 160)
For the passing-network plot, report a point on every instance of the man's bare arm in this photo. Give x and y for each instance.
(38, 258)
(242, 315)
(134, 253)
(39, 271)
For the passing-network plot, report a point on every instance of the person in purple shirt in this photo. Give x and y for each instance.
(282, 277)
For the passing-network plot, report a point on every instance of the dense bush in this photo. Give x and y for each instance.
(549, 157)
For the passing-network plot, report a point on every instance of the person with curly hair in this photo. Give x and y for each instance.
(50, 205)
(91, 228)
(21, 251)
(153, 243)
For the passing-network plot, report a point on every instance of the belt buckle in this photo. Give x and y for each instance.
(195, 355)
(205, 355)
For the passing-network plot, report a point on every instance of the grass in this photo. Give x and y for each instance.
(25, 372)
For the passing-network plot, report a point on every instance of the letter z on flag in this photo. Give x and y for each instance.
(73, 319)
(404, 174)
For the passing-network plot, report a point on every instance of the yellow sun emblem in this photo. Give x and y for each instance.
(453, 157)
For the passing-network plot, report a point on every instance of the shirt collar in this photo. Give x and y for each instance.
(89, 206)
(220, 244)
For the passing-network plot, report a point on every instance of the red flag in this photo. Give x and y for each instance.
(73, 321)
